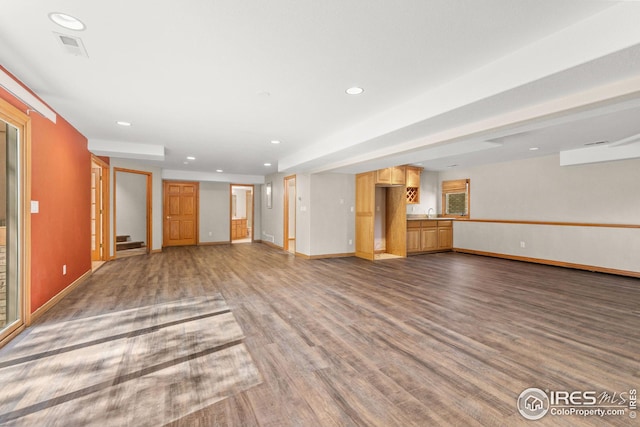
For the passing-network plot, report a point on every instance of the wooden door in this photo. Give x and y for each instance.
(365, 214)
(180, 213)
(96, 214)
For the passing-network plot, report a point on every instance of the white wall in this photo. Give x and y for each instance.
(131, 206)
(429, 192)
(540, 190)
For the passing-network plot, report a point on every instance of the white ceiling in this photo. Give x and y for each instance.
(446, 81)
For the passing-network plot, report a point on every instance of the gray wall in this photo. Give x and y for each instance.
(324, 220)
(131, 206)
(541, 190)
(214, 211)
(332, 222)
(272, 219)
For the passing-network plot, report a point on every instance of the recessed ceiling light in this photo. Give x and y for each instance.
(534, 149)
(267, 164)
(275, 141)
(219, 170)
(67, 21)
(190, 158)
(354, 90)
(123, 123)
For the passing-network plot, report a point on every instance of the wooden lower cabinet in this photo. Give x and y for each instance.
(239, 229)
(445, 235)
(413, 239)
(429, 236)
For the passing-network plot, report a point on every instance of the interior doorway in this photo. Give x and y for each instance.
(15, 221)
(132, 212)
(289, 239)
(242, 210)
(99, 212)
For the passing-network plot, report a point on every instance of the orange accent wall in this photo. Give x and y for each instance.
(61, 183)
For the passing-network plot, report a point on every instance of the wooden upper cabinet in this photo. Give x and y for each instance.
(391, 176)
(383, 176)
(398, 175)
(413, 176)
(413, 184)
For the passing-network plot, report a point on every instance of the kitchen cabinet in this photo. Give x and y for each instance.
(445, 235)
(429, 236)
(413, 176)
(391, 176)
(412, 180)
(413, 236)
(395, 224)
(239, 228)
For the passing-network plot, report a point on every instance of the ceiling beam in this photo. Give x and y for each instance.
(605, 33)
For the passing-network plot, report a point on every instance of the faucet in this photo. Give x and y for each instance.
(429, 212)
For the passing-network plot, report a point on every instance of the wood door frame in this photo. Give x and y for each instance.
(253, 210)
(21, 121)
(285, 243)
(104, 187)
(149, 212)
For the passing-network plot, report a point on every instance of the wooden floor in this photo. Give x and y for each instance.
(432, 340)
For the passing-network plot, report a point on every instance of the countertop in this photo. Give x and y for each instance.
(426, 218)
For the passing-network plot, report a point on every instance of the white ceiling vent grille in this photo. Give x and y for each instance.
(71, 45)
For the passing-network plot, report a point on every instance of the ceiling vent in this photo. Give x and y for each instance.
(71, 45)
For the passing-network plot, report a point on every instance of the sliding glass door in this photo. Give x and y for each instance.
(11, 303)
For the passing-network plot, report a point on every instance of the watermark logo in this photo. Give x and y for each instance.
(533, 404)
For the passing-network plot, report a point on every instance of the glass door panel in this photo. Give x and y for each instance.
(10, 293)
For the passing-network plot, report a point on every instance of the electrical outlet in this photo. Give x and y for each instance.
(350, 242)
(522, 244)
(64, 270)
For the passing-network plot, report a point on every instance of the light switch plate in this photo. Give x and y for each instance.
(35, 206)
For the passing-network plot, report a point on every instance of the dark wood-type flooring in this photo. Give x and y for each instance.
(431, 340)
